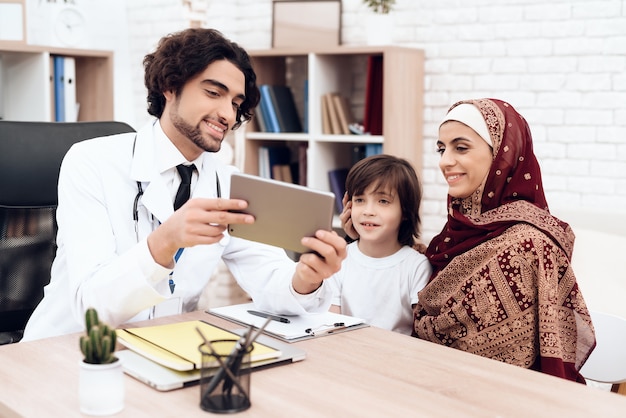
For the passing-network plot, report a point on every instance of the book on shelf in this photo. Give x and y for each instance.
(373, 115)
(59, 88)
(373, 149)
(358, 153)
(267, 110)
(286, 173)
(298, 327)
(302, 163)
(264, 162)
(176, 345)
(333, 115)
(271, 157)
(326, 127)
(337, 182)
(258, 121)
(69, 87)
(282, 172)
(344, 114)
(365, 150)
(278, 109)
(285, 108)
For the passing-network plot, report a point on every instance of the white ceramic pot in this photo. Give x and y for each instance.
(379, 29)
(101, 388)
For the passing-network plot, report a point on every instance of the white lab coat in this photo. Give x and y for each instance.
(100, 263)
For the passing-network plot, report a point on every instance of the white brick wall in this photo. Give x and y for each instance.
(561, 63)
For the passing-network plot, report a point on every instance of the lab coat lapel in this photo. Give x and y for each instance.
(156, 196)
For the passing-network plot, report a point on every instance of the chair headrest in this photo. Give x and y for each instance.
(31, 155)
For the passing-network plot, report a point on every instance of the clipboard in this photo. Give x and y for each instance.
(299, 327)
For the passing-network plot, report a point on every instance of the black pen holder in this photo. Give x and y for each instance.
(224, 377)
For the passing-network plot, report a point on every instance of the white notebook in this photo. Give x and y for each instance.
(299, 327)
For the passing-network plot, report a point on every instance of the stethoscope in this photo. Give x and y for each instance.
(140, 193)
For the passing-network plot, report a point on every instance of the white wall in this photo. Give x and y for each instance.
(562, 64)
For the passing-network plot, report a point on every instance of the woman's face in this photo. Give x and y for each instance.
(465, 158)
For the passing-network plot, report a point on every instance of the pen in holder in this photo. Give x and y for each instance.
(225, 376)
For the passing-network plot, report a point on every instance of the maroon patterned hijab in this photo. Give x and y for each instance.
(511, 193)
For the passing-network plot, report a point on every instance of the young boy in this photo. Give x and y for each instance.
(382, 274)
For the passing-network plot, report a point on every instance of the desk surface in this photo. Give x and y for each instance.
(368, 372)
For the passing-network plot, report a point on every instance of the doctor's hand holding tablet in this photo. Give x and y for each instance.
(282, 214)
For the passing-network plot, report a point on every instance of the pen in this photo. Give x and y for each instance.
(325, 329)
(270, 316)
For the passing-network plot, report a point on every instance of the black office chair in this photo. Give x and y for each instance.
(30, 158)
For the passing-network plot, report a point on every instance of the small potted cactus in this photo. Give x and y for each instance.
(101, 387)
(98, 344)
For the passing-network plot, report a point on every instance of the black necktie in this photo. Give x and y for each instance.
(184, 190)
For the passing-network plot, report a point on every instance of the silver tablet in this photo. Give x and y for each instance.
(284, 212)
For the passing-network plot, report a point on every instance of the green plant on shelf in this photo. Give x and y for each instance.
(380, 6)
(98, 343)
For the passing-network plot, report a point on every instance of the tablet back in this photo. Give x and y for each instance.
(284, 212)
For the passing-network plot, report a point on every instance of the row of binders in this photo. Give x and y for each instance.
(277, 111)
(65, 107)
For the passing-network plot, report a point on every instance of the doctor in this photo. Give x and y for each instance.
(124, 250)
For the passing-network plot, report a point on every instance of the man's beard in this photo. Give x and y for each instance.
(194, 133)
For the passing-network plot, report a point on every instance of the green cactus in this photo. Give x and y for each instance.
(98, 343)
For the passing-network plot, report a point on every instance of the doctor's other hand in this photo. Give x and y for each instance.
(329, 250)
(198, 221)
(346, 218)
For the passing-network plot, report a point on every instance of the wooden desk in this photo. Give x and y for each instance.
(363, 373)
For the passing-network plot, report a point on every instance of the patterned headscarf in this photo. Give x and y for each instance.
(511, 193)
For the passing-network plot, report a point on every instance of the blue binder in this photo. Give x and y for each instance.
(271, 122)
(59, 89)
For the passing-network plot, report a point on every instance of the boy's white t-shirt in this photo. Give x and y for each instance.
(381, 290)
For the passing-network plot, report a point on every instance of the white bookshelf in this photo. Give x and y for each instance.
(343, 70)
(26, 92)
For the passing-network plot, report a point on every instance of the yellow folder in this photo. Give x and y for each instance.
(177, 345)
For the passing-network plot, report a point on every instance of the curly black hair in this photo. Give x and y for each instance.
(182, 55)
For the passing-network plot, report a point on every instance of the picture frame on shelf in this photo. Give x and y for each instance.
(306, 23)
(13, 21)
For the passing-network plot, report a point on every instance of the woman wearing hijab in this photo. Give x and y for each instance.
(502, 285)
